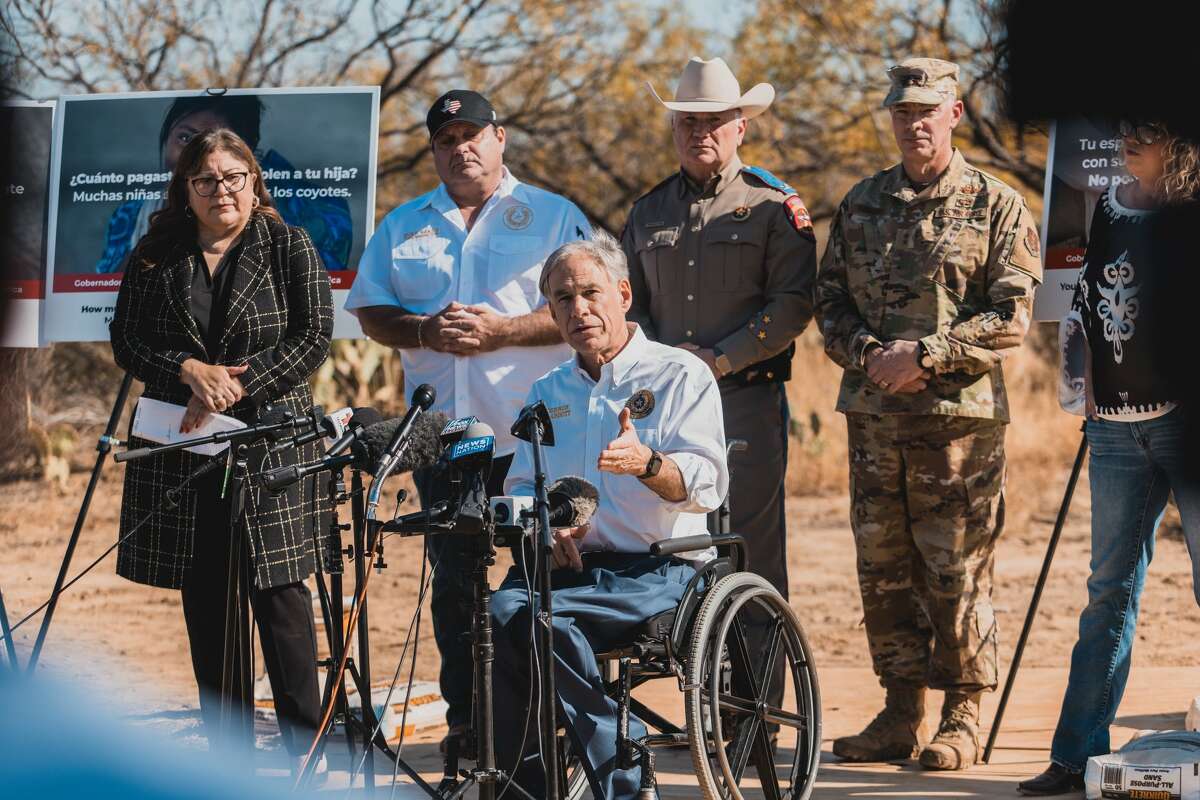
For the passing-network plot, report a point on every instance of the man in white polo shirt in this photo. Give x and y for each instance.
(451, 279)
(642, 422)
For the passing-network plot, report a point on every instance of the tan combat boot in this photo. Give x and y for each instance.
(895, 732)
(956, 745)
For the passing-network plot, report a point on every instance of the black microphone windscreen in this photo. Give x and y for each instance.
(423, 449)
(365, 417)
(579, 495)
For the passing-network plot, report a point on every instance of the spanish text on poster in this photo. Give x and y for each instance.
(1084, 160)
(114, 158)
(23, 187)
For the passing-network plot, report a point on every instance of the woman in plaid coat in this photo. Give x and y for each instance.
(224, 308)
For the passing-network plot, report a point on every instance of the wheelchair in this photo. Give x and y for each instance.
(735, 736)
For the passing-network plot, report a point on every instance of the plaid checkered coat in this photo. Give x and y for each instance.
(279, 322)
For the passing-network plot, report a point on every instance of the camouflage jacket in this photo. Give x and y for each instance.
(953, 266)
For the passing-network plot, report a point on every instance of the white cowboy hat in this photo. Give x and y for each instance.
(708, 86)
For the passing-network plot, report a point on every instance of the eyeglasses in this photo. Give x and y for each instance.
(233, 182)
(1146, 133)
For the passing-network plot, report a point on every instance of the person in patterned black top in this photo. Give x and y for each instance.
(224, 308)
(1135, 432)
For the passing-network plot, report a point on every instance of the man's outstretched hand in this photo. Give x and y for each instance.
(625, 455)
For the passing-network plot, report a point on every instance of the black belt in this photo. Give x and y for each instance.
(776, 369)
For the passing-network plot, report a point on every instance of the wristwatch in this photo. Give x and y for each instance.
(722, 362)
(923, 357)
(652, 466)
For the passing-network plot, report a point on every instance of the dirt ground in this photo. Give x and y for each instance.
(130, 639)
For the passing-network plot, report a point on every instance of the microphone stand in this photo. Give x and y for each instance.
(533, 425)
(103, 447)
(486, 774)
(332, 609)
(237, 680)
(6, 632)
(545, 615)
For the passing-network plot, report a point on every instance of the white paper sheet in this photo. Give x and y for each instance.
(159, 422)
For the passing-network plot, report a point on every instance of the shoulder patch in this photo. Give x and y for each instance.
(769, 179)
(798, 215)
(1031, 243)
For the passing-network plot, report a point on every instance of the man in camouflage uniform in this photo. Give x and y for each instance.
(722, 261)
(926, 283)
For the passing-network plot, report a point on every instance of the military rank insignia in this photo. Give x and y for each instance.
(798, 214)
(641, 404)
(741, 213)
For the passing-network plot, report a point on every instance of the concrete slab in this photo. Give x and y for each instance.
(1156, 698)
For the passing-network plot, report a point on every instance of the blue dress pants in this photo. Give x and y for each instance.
(597, 608)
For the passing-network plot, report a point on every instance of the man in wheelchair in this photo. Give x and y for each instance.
(642, 422)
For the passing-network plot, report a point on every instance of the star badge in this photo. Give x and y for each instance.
(641, 404)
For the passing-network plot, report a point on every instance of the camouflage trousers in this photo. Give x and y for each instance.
(927, 506)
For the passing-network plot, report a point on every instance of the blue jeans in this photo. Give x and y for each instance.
(1132, 467)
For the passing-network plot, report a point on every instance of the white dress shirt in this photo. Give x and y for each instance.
(684, 423)
(422, 257)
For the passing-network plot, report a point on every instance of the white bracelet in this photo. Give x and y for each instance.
(420, 324)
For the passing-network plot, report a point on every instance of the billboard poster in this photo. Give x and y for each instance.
(29, 126)
(113, 159)
(1084, 159)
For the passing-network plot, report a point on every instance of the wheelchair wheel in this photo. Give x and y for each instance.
(728, 717)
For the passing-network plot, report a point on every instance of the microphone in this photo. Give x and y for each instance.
(471, 458)
(455, 428)
(359, 421)
(422, 398)
(366, 444)
(423, 448)
(277, 479)
(572, 500)
(328, 426)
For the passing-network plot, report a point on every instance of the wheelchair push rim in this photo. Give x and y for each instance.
(726, 695)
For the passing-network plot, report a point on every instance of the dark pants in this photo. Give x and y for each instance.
(759, 415)
(284, 618)
(452, 595)
(598, 607)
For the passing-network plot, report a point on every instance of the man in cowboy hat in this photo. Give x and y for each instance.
(722, 260)
(927, 283)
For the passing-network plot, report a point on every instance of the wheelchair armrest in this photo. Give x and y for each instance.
(669, 547)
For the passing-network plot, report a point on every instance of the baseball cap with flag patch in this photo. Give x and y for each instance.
(459, 105)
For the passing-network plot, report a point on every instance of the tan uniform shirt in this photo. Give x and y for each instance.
(721, 265)
(953, 266)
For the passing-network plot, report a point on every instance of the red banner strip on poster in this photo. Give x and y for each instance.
(109, 282)
(1064, 258)
(341, 279)
(23, 290)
